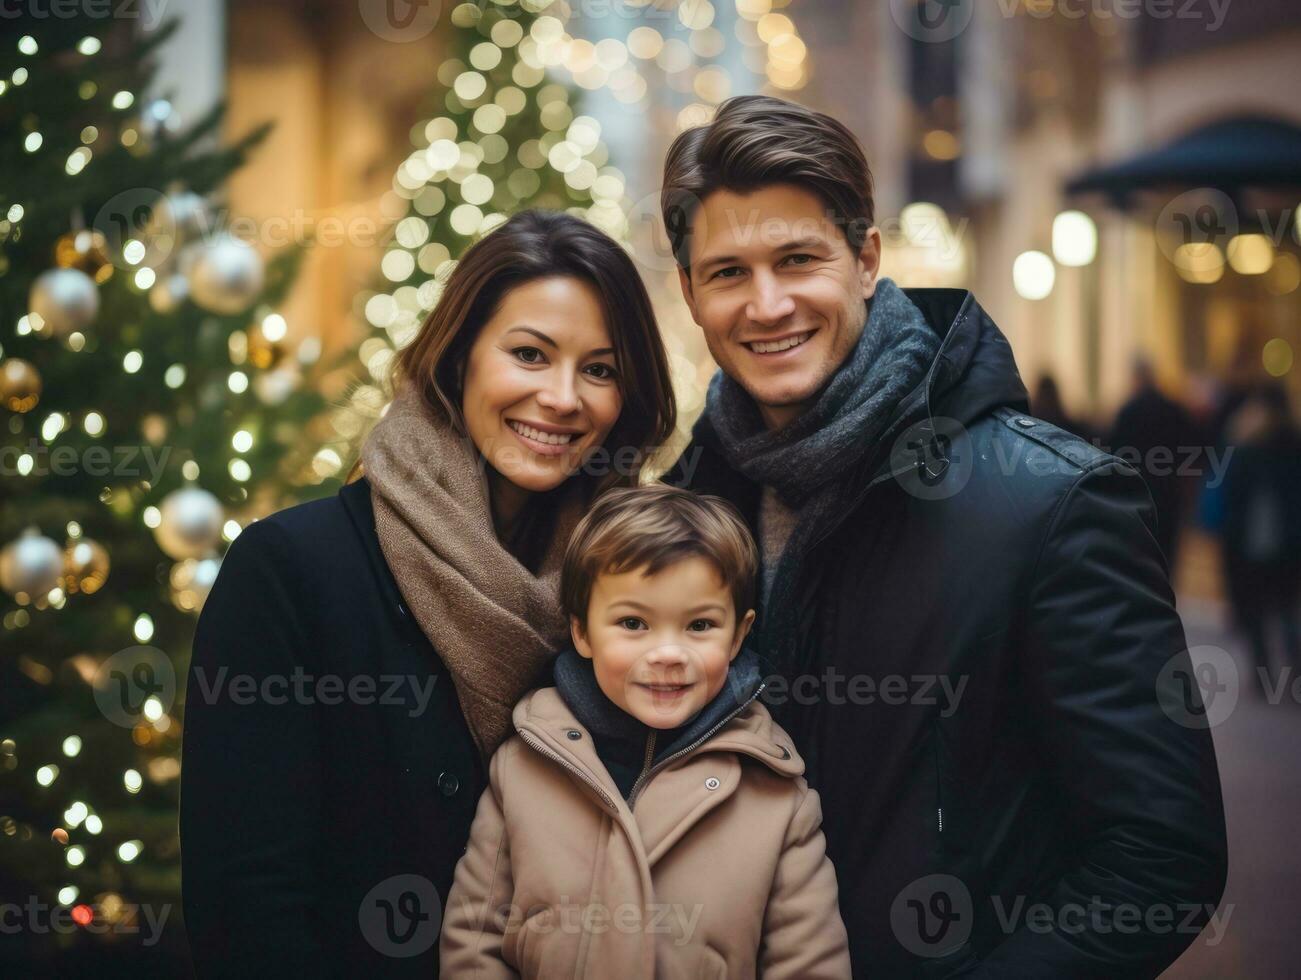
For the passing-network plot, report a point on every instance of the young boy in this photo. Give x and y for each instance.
(649, 819)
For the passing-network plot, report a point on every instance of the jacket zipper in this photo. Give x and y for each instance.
(543, 750)
(939, 783)
(646, 774)
(650, 755)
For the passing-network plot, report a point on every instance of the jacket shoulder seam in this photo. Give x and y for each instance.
(1102, 461)
(1092, 457)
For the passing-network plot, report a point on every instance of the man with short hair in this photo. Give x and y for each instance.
(976, 641)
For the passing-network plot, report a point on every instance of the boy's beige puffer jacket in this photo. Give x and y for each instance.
(715, 868)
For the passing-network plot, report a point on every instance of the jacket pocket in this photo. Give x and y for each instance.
(536, 935)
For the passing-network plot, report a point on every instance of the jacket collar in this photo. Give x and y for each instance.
(973, 373)
(544, 721)
(356, 501)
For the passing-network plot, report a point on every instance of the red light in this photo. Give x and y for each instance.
(83, 915)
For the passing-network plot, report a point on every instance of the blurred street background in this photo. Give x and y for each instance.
(219, 221)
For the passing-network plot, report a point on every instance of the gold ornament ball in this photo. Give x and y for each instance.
(20, 385)
(190, 523)
(86, 251)
(191, 581)
(264, 353)
(85, 566)
(30, 567)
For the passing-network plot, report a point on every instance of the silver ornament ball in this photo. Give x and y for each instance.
(226, 275)
(65, 300)
(30, 566)
(190, 523)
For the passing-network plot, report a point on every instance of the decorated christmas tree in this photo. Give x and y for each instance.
(150, 407)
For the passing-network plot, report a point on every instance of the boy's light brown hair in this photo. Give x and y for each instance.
(650, 528)
(755, 141)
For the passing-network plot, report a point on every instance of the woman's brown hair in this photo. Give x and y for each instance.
(537, 244)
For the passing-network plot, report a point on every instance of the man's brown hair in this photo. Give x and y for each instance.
(757, 140)
(650, 528)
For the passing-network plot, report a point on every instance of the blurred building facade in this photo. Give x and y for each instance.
(975, 127)
(991, 114)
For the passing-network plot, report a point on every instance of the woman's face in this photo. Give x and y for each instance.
(541, 391)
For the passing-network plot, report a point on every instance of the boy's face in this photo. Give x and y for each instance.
(769, 269)
(661, 644)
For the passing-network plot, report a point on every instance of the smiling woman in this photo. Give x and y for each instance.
(440, 566)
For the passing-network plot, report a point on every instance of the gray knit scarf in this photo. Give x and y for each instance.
(815, 462)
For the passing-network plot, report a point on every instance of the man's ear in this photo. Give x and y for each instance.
(579, 636)
(742, 631)
(869, 260)
(684, 280)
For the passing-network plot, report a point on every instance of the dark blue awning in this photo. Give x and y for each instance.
(1245, 151)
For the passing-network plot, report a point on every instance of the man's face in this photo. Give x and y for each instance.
(778, 292)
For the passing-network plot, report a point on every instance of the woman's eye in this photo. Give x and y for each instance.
(630, 623)
(526, 354)
(604, 372)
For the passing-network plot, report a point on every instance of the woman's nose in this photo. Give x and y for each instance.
(560, 395)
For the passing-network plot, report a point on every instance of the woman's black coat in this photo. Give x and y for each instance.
(329, 778)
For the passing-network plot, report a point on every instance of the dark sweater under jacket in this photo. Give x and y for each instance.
(628, 747)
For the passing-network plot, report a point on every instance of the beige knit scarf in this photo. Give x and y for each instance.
(494, 623)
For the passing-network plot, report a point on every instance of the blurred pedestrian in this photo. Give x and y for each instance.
(1262, 523)
(1154, 433)
(1046, 404)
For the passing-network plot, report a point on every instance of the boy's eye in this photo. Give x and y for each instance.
(631, 623)
(526, 354)
(700, 625)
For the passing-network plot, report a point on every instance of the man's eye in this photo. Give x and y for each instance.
(631, 623)
(807, 258)
(724, 273)
(525, 354)
(700, 625)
